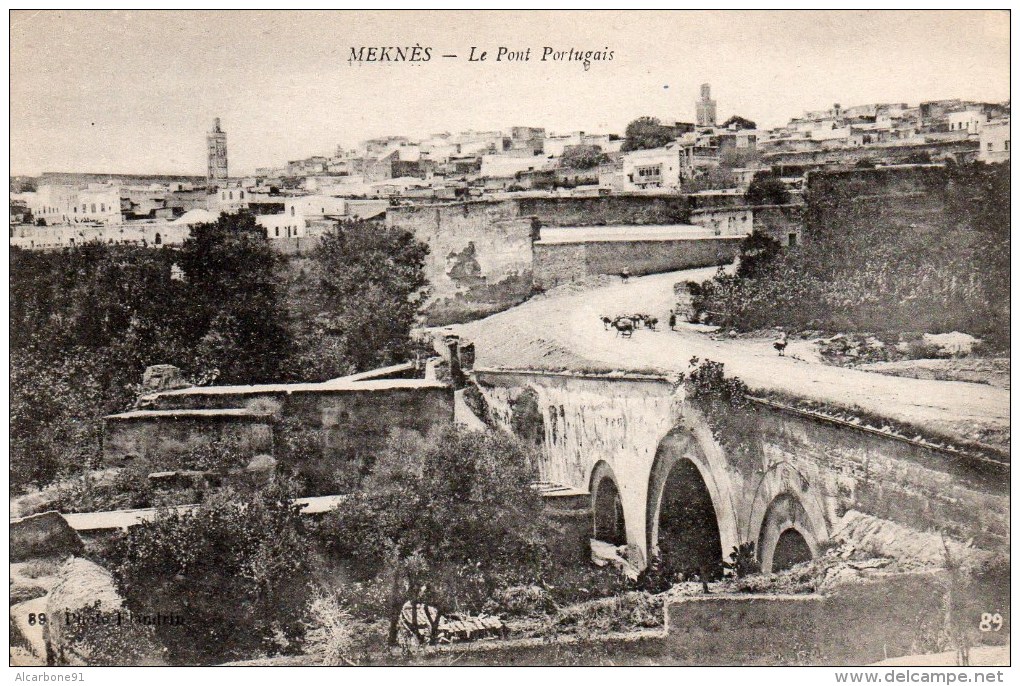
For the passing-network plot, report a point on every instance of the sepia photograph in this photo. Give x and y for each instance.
(574, 338)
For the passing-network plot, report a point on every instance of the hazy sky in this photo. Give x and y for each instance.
(126, 91)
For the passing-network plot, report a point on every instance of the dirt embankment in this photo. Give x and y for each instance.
(990, 371)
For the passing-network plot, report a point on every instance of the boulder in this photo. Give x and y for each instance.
(91, 624)
(163, 377)
(43, 535)
(261, 464)
(955, 343)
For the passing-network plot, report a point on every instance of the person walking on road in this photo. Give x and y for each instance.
(780, 344)
(672, 320)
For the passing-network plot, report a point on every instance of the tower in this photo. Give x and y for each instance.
(705, 108)
(217, 144)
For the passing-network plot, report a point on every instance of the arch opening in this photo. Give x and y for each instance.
(787, 536)
(791, 549)
(688, 542)
(608, 513)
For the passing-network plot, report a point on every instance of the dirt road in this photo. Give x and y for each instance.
(563, 331)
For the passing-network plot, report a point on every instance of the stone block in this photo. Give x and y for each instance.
(42, 535)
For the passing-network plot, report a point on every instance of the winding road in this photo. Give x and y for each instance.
(562, 331)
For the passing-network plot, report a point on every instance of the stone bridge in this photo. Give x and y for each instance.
(652, 472)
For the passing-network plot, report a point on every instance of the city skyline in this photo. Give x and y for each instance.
(142, 96)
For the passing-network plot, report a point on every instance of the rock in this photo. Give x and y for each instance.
(43, 535)
(261, 464)
(95, 627)
(163, 377)
(603, 553)
(954, 343)
(22, 593)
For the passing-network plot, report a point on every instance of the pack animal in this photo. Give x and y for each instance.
(624, 327)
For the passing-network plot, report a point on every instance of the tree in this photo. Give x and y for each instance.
(767, 189)
(757, 252)
(235, 569)
(442, 522)
(235, 308)
(583, 157)
(739, 122)
(86, 321)
(645, 133)
(369, 287)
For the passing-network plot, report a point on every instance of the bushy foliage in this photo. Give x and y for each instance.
(362, 295)
(234, 568)
(743, 561)
(863, 268)
(105, 637)
(583, 157)
(332, 636)
(757, 254)
(740, 123)
(767, 189)
(86, 321)
(645, 133)
(442, 522)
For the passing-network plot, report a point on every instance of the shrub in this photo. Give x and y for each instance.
(234, 568)
(443, 522)
(332, 636)
(861, 269)
(743, 560)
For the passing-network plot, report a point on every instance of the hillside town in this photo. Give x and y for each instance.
(711, 161)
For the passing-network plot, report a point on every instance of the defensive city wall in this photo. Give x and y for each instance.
(482, 259)
(556, 263)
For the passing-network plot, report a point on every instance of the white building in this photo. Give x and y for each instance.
(228, 200)
(151, 234)
(299, 213)
(69, 205)
(662, 167)
(506, 166)
(994, 140)
(968, 120)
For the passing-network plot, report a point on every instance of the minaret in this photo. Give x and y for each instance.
(705, 108)
(217, 144)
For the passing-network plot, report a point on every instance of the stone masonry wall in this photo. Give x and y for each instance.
(557, 263)
(338, 418)
(856, 624)
(786, 470)
(474, 247)
(480, 257)
(607, 210)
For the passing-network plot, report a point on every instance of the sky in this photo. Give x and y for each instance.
(136, 92)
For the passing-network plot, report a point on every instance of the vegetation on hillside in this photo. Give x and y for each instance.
(442, 523)
(86, 321)
(865, 273)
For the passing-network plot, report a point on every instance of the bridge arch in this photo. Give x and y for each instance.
(787, 535)
(608, 522)
(690, 516)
